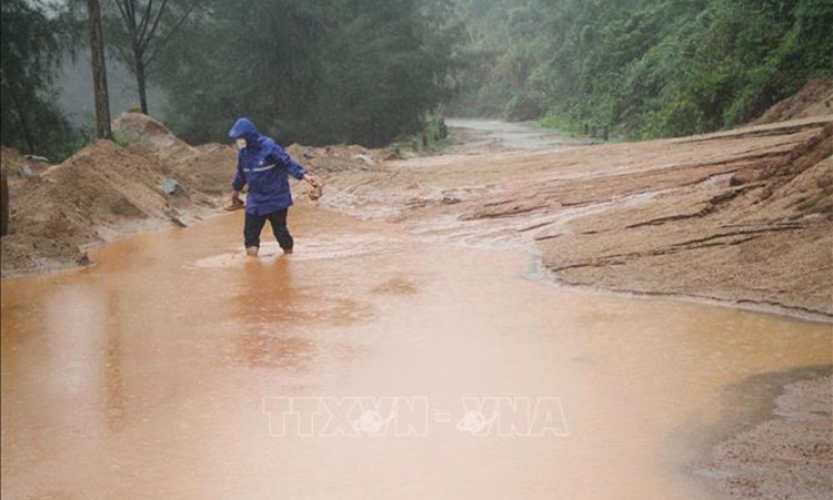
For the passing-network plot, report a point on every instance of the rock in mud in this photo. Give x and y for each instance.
(172, 187)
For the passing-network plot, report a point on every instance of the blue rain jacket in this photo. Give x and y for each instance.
(264, 166)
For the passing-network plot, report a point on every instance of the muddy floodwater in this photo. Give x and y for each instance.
(168, 370)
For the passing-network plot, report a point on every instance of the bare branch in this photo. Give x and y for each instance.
(164, 41)
(146, 40)
(143, 23)
(123, 12)
(129, 60)
(130, 7)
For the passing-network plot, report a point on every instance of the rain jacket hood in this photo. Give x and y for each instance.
(244, 128)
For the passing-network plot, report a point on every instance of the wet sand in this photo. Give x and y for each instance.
(744, 216)
(145, 375)
(781, 450)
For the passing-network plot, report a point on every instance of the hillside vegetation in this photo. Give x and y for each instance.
(639, 68)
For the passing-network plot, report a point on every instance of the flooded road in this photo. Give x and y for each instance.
(164, 372)
(484, 134)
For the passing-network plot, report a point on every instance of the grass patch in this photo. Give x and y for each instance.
(427, 142)
(572, 128)
(120, 139)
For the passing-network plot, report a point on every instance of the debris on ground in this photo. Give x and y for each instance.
(332, 159)
(172, 187)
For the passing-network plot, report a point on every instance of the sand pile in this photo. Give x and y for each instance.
(206, 169)
(11, 161)
(141, 130)
(109, 190)
(332, 159)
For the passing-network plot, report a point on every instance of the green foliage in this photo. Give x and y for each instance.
(370, 71)
(31, 47)
(120, 139)
(330, 71)
(434, 140)
(641, 68)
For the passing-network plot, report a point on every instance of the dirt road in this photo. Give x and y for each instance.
(382, 360)
(744, 216)
(479, 136)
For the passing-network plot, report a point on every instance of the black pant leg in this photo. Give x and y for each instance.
(252, 228)
(278, 221)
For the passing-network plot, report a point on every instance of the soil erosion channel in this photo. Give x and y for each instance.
(157, 373)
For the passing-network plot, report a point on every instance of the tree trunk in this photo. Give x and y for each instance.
(27, 133)
(140, 81)
(102, 102)
(4, 204)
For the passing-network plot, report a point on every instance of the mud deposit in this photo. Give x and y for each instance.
(785, 451)
(744, 216)
(145, 375)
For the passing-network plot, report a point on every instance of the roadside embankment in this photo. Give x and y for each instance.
(814, 99)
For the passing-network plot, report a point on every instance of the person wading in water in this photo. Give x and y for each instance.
(264, 166)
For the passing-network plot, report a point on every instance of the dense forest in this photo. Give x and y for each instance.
(329, 71)
(32, 46)
(639, 68)
(369, 71)
(323, 72)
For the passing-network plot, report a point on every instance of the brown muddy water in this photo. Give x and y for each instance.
(166, 371)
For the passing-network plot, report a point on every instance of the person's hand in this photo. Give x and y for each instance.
(313, 181)
(317, 188)
(236, 203)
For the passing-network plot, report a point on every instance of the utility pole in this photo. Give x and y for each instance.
(102, 102)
